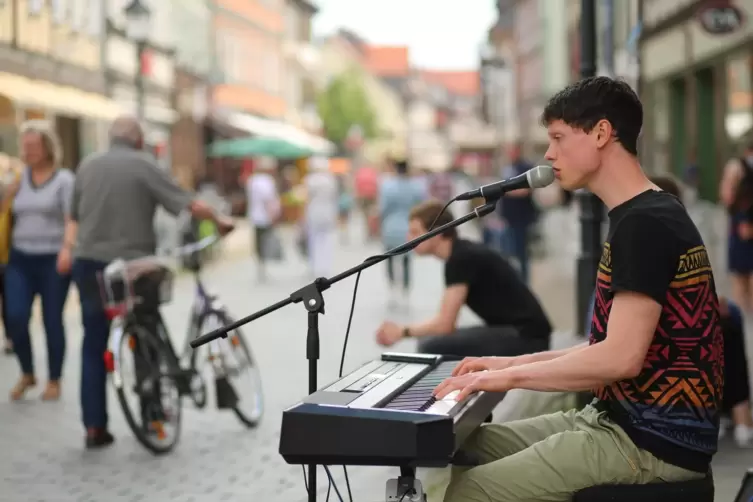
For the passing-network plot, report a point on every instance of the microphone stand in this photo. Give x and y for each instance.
(311, 296)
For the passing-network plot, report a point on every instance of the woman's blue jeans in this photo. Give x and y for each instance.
(26, 277)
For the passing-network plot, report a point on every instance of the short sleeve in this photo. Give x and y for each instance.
(645, 256)
(165, 190)
(459, 269)
(66, 192)
(75, 196)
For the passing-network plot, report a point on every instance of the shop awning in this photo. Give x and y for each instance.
(257, 147)
(65, 100)
(274, 129)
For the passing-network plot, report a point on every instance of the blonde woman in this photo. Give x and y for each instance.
(40, 261)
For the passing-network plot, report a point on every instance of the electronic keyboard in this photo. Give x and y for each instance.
(384, 414)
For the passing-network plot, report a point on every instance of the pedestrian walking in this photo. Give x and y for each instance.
(264, 209)
(321, 215)
(115, 198)
(39, 262)
(397, 196)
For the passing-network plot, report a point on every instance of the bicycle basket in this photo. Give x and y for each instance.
(135, 287)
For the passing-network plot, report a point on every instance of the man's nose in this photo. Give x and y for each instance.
(549, 155)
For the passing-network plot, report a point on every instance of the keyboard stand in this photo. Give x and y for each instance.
(406, 488)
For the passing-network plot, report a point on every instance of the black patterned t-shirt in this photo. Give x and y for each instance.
(671, 409)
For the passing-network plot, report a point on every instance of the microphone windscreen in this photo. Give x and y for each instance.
(540, 176)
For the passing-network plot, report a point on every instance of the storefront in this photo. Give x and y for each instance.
(157, 101)
(67, 91)
(696, 60)
(188, 138)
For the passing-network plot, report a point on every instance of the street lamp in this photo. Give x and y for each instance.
(591, 208)
(138, 26)
(492, 64)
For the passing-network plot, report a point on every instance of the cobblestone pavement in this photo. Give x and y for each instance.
(217, 459)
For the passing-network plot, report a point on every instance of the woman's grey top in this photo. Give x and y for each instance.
(39, 212)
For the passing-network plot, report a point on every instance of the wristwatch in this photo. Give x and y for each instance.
(406, 332)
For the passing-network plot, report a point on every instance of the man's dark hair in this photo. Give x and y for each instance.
(427, 213)
(583, 104)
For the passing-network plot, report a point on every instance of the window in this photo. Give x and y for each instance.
(35, 6)
(78, 17)
(59, 11)
(95, 17)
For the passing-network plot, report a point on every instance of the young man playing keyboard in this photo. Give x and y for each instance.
(655, 356)
(482, 279)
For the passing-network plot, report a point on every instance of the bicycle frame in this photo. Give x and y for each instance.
(204, 303)
(122, 317)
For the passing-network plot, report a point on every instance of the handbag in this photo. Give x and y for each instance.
(6, 219)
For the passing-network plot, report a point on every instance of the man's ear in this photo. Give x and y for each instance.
(604, 132)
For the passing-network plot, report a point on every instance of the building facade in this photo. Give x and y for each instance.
(249, 61)
(697, 83)
(529, 70)
(343, 52)
(498, 78)
(155, 103)
(299, 64)
(192, 22)
(50, 67)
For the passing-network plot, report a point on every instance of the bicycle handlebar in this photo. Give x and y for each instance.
(159, 259)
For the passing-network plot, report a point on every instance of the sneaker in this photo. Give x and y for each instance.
(98, 438)
(743, 435)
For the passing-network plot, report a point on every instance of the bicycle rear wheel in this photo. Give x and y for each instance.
(232, 358)
(154, 413)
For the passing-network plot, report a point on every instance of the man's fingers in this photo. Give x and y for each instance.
(466, 391)
(464, 366)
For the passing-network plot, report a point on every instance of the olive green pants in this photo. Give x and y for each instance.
(551, 457)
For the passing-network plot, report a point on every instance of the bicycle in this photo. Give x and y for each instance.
(132, 292)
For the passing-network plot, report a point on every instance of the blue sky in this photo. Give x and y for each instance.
(441, 34)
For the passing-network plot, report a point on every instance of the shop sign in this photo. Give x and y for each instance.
(720, 18)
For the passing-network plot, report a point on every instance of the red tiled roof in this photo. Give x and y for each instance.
(463, 83)
(386, 61)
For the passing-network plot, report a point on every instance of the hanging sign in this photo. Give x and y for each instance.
(720, 17)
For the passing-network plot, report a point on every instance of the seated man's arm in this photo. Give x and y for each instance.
(443, 323)
(547, 355)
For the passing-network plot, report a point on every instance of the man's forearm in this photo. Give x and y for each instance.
(578, 370)
(547, 355)
(431, 327)
(70, 234)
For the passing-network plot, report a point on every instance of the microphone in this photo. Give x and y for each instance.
(538, 177)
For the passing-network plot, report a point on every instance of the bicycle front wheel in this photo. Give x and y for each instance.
(151, 402)
(231, 359)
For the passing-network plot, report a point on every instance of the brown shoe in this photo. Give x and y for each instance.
(52, 391)
(25, 383)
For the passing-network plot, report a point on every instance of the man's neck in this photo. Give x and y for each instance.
(444, 249)
(619, 180)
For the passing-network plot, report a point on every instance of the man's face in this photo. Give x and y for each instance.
(574, 155)
(417, 229)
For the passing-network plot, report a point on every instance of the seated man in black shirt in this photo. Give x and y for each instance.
(514, 322)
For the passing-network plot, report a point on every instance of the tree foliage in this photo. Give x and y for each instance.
(344, 104)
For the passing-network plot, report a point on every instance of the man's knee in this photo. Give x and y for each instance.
(430, 345)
